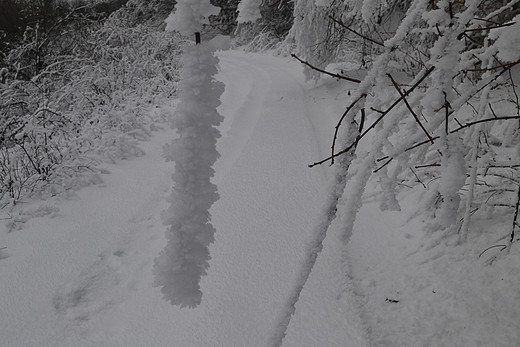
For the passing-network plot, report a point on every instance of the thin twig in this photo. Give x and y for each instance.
(382, 166)
(467, 125)
(503, 66)
(427, 165)
(420, 144)
(489, 28)
(418, 180)
(472, 40)
(492, 111)
(355, 32)
(447, 115)
(335, 75)
(362, 122)
(487, 21)
(514, 91)
(376, 110)
(341, 120)
(515, 217)
(487, 249)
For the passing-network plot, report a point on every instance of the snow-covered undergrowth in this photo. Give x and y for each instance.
(416, 290)
(74, 100)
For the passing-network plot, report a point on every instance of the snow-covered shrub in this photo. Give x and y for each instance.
(438, 111)
(450, 126)
(71, 100)
(132, 71)
(267, 30)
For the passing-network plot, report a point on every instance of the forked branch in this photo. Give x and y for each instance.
(396, 86)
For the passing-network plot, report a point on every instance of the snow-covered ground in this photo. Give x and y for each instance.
(78, 271)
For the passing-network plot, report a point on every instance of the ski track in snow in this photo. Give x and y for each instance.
(84, 277)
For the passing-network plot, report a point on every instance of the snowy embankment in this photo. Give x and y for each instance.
(81, 275)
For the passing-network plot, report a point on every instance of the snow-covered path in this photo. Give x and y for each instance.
(83, 278)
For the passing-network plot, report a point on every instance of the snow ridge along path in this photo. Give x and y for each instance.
(83, 278)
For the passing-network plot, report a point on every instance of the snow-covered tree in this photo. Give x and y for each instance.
(440, 105)
(185, 259)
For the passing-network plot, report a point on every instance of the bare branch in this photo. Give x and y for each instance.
(341, 120)
(348, 148)
(335, 75)
(503, 66)
(517, 205)
(382, 166)
(489, 28)
(418, 180)
(355, 32)
(467, 125)
(396, 86)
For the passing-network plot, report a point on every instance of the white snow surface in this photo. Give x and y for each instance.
(84, 276)
(78, 272)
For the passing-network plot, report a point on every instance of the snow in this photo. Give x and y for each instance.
(453, 177)
(248, 11)
(78, 271)
(508, 41)
(189, 16)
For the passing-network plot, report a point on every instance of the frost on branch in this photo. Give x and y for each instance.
(184, 260)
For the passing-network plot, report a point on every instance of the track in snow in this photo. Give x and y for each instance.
(94, 289)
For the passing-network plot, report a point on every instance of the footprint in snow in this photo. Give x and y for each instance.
(96, 289)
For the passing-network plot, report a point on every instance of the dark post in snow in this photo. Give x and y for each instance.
(197, 38)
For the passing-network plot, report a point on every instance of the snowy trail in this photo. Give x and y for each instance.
(84, 277)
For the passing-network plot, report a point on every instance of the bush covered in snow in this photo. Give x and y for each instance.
(263, 25)
(440, 101)
(78, 94)
(437, 113)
